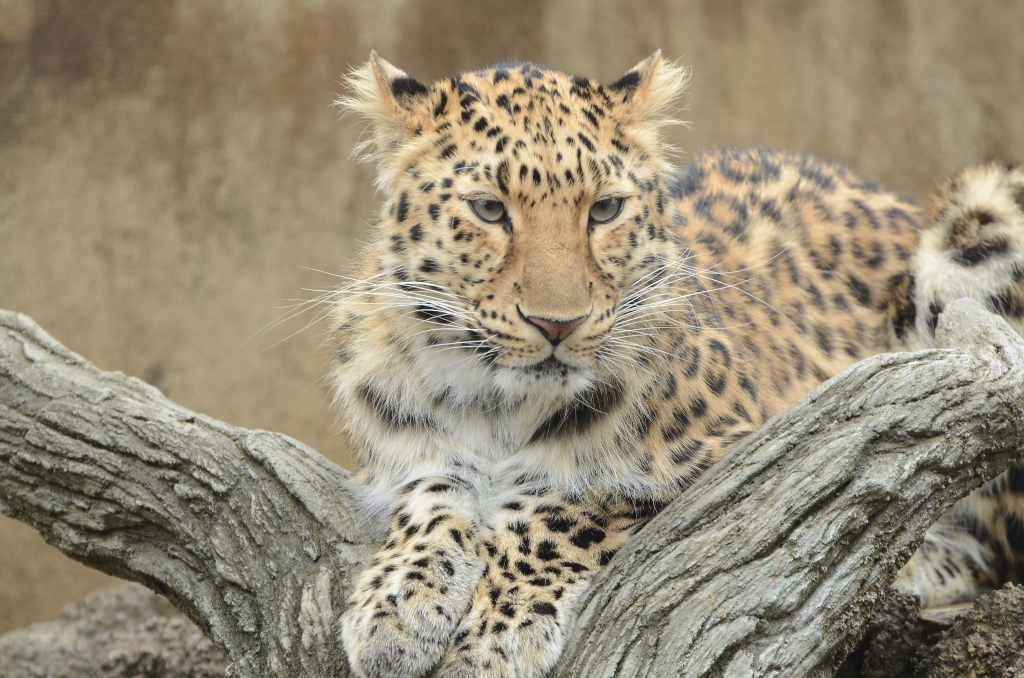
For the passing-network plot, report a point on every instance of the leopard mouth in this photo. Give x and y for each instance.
(550, 367)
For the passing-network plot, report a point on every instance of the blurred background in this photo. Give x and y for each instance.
(172, 170)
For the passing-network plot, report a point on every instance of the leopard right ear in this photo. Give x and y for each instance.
(648, 92)
(396, 106)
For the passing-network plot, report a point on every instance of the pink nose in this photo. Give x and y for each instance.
(556, 330)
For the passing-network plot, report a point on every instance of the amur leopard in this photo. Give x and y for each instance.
(553, 331)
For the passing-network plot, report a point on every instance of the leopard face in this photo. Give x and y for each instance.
(528, 211)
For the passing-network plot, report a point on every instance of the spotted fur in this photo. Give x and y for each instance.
(524, 393)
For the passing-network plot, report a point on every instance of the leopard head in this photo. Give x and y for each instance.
(527, 211)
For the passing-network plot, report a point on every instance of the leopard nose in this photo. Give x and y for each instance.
(556, 330)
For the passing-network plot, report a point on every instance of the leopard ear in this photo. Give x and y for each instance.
(649, 90)
(396, 106)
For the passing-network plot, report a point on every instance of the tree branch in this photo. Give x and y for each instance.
(251, 534)
(770, 565)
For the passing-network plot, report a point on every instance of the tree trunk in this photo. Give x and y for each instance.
(769, 566)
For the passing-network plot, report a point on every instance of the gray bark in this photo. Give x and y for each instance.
(769, 566)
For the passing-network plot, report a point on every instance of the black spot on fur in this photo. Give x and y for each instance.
(715, 381)
(559, 524)
(544, 607)
(577, 417)
(747, 385)
(402, 211)
(644, 422)
(860, 291)
(501, 176)
(441, 103)
(519, 527)
(585, 140)
(547, 551)
(628, 82)
(407, 87)
(934, 309)
(1015, 479)
(972, 256)
(984, 218)
(904, 309)
(684, 452)
(680, 424)
(587, 537)
(390, 415)
(824, 339)
(1006, 303)
(1015, 532)
(432, 314)
(437, 520)
(525, 568)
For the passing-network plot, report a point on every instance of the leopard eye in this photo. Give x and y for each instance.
(603, 211)
(491, 211)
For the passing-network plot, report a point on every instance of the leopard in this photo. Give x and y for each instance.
(553, 330)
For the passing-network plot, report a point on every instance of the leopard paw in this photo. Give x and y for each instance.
(526, 648)
(405, 610)
(378, 645)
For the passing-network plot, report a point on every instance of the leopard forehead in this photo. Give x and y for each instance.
(515, 108)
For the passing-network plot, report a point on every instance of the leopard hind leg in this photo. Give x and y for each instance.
(972, 246)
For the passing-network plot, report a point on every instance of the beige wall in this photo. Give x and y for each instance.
(167, 166)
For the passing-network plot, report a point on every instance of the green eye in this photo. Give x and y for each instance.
(603, 211)
(491, 211)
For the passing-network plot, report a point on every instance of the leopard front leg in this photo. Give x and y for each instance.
(406, 605)
(540, 554)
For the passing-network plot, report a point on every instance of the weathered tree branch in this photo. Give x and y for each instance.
(769, 566)
(253, 535)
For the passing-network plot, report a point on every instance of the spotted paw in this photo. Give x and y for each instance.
(528, 648)
(379, 646)
(405, 610)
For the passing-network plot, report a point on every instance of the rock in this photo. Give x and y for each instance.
(127, 632)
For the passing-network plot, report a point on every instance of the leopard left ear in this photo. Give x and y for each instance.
(649, 90)
(396, 105)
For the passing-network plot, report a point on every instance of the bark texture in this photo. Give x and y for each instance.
(770, 566)
(987, 641)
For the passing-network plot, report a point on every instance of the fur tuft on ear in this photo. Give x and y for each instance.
(392, 102)
(649, 91)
